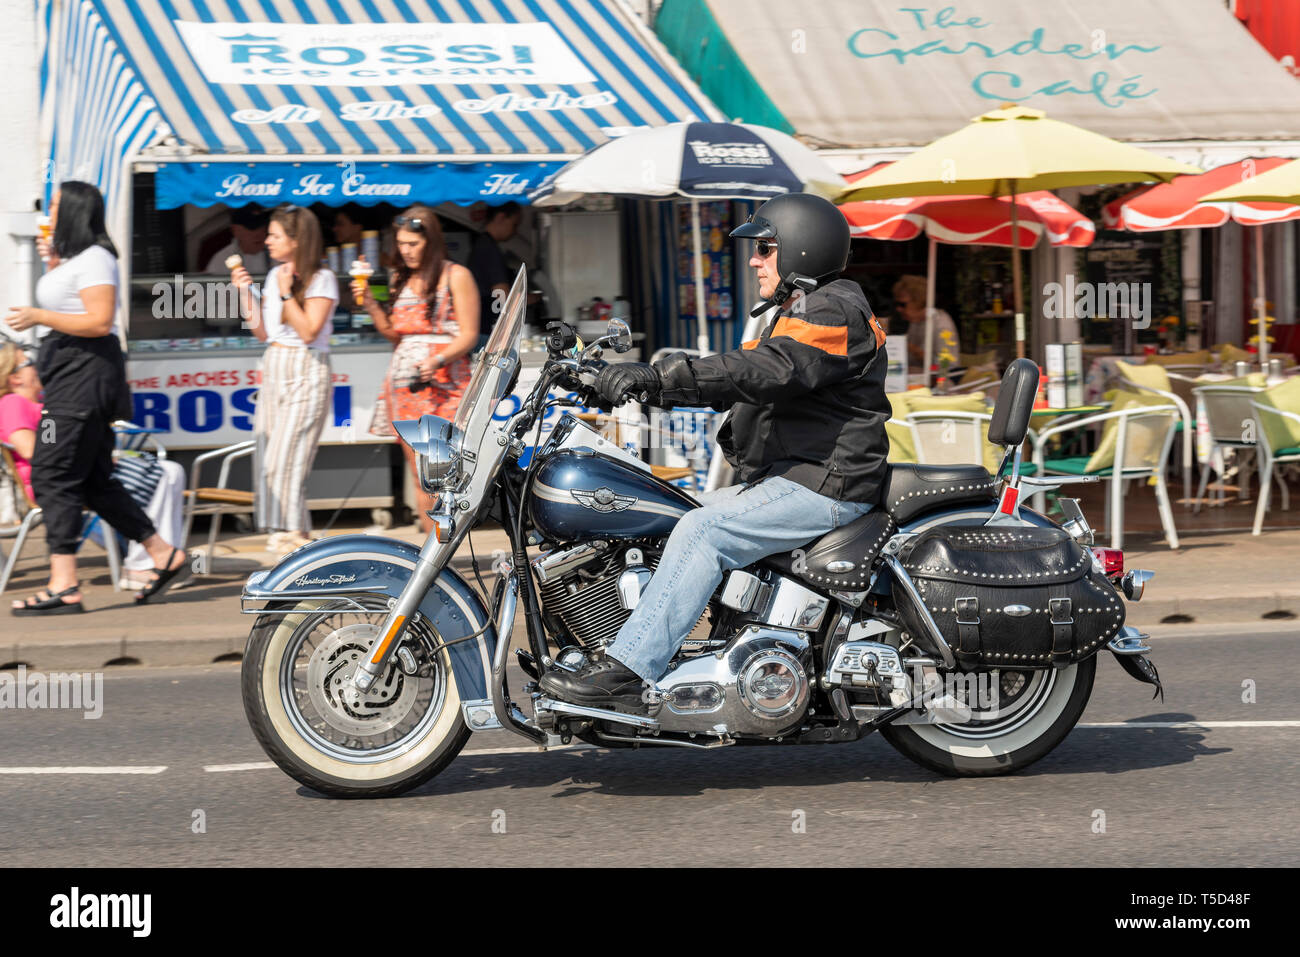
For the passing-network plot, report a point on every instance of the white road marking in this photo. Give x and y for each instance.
(250, 766)
(1193, 725)
(150, 769)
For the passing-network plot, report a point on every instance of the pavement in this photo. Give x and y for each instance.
(1215, 578)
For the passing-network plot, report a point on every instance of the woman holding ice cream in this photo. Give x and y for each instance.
(431, 317)
(292, 315)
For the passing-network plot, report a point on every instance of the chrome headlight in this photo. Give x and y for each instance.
(437, 443)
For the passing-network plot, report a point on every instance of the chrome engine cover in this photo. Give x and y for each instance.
(758, 685)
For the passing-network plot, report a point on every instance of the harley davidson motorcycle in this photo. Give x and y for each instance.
(962, 625)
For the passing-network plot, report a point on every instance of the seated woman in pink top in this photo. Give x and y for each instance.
(20, 408)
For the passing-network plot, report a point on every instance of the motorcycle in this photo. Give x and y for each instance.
(961, 624)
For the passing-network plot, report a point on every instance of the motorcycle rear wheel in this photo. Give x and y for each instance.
(1040, 714)
(296, 685)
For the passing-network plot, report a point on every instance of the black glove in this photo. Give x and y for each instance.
(621, 380)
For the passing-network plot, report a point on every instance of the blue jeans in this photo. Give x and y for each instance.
(731, 529)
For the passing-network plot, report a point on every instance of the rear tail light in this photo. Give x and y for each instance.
(1112, 561)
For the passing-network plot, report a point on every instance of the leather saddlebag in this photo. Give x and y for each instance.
(1009, 596)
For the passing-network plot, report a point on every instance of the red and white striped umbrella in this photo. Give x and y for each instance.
(966, 220)
(973, 220)
(1177, 204)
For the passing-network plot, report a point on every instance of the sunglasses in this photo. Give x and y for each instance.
(764, 248)
(409, 222)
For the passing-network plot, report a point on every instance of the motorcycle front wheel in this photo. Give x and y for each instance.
(297, 688)
(1030, 715)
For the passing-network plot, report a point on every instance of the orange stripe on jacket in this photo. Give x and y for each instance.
(880, 333)
(832, 339)
(750, 344)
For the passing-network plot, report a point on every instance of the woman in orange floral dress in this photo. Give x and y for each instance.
(432, 318)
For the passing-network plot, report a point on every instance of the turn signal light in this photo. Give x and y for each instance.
(1112, 561)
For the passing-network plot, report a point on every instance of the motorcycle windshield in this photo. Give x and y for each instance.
(503, 343)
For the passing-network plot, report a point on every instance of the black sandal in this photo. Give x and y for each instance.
(50, 604)
(166, 578)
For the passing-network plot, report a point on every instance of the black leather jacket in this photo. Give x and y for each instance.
(807, 398)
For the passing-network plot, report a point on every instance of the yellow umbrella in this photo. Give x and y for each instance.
(1013, 150)
(1280, 185)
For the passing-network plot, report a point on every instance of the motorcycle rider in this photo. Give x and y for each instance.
(806, 436)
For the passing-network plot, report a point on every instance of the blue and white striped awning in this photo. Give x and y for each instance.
(95, 113)
(347, 77)
(509, 85)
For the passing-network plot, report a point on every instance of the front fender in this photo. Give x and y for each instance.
(370, 564)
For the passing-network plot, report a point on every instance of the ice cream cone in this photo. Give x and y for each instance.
(360, 271)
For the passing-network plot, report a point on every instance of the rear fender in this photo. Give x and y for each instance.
(353, 565)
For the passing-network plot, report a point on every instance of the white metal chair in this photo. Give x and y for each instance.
(1142, 443)
(134, 438)
(1185, 416)
(32, 518)
(1268, 458)
(949, 438)
(1230, 415)
(216, 500)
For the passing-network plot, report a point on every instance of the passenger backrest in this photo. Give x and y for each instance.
(1015, 403)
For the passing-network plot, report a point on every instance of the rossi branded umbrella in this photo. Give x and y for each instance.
(1009, 151)
(966, 220)
(706, 161)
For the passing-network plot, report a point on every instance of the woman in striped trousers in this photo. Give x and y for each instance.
(293, 318)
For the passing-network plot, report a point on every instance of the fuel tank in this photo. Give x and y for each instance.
(579, 495)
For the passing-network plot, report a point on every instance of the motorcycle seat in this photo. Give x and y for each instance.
(910, 490)
(856, 544)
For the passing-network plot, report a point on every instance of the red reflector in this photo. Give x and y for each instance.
(1112, 561)
(1009, 498)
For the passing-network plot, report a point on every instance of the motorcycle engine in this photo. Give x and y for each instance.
(589, 590)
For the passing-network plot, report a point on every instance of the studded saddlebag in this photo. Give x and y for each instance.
(1010, 596)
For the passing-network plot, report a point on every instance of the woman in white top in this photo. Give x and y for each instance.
(84, 375)
(293, 318)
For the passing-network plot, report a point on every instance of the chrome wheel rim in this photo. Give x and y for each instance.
(316, 690)
(1021, 696)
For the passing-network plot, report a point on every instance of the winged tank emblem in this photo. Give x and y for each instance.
(603, 499)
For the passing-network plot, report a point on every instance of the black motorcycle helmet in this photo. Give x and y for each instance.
(812, 241)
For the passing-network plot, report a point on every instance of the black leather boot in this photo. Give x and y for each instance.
(601, 683)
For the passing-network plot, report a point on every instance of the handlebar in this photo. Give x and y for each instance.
(576, 373)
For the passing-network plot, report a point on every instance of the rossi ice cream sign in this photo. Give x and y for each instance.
(377, 54)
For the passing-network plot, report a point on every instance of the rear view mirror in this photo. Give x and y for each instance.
(620, 335)
(1015, 403)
